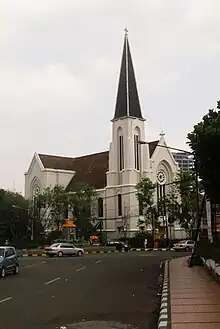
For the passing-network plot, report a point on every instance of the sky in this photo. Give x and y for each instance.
(59, 68)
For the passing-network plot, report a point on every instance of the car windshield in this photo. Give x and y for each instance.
(2, 252)
(54, 245)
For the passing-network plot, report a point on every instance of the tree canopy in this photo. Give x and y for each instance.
(14, 221)
(54, 203)
(179, 204)
(204, 140)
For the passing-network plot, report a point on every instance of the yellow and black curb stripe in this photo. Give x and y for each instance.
(102, 252)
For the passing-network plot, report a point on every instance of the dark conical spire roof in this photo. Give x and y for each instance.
(127, 102)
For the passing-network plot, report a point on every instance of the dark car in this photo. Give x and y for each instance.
(8, 261)
(119, 245)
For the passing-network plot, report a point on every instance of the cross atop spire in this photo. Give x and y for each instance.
(127, 102)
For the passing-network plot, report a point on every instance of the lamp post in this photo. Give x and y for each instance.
(198, 214)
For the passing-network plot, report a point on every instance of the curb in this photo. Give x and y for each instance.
(164, 315)
(104, 252)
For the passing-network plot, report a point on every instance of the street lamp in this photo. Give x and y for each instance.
(198, 215)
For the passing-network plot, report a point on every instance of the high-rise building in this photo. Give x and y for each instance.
(185, 161)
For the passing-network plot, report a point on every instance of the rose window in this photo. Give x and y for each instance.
(161, 178)
(36, 190)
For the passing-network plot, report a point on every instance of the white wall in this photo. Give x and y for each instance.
(35, 172)
(37, 175)
(58, 177)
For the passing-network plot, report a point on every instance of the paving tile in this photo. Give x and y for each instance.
(193, 301)
(188, 326)
(176, 301)
(202, 317)
(192, 295)
(178, 318)
(195, 308)
(209, 326)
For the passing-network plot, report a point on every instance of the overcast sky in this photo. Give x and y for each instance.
(59, 67)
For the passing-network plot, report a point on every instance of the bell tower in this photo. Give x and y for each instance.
(128, 160)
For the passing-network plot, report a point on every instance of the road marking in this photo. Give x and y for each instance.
(31, 265)
(80, 269)
(51, 281)
(5, 300)
(98, 261)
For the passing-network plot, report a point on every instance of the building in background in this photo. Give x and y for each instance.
(185, 161)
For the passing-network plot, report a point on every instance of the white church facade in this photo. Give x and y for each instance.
(114, 173)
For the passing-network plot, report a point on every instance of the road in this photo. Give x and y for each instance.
(117, 288)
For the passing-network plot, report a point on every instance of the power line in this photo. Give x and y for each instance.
(136, 192)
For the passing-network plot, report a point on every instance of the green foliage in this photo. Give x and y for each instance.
(204, 141)
(145, 190)
(181, 201)
(14, 219)
(53, 204)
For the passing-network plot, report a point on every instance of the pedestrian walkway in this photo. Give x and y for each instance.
(195, 297)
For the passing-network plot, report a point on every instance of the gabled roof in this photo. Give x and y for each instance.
(56, 162)
(90, 169)
(152, 147)
(127, 102)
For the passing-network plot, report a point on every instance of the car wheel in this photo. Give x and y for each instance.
(2, 272)
(60, 254)
(17, 269)
(79, 253)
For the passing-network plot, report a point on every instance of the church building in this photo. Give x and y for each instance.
(114, 173)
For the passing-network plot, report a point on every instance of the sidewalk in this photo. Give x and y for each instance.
(195, 297)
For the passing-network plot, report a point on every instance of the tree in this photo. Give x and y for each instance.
(125, 221)
(53, 205)
(145, 190)
(14, 218)
(181, 201)
(80, 201)
(204, 140)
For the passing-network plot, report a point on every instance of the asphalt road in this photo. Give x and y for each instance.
(95, 291)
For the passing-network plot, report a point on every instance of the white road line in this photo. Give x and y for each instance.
(98, 261)
(51, 281)
(5, 300)
(80, 269)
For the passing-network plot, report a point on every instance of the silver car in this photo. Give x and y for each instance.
(184, 245)
(64, 249)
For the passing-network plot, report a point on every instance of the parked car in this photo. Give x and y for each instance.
(119, 245)
(63, 249)
(184, 245)
(8, 261)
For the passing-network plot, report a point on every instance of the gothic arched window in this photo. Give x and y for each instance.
(120, 149)
(100, 207)
(137, 148)
(119, 205)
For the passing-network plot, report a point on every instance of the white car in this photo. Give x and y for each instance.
(64, 249)
(184, 245)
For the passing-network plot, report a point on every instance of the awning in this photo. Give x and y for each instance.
(69, 224)
(93, 237)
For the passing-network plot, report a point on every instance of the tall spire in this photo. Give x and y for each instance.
(127, 102)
